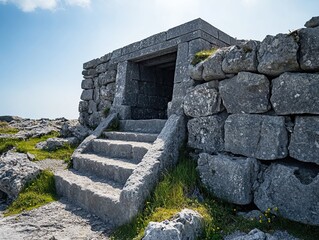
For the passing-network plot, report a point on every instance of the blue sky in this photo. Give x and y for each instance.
(43, 43)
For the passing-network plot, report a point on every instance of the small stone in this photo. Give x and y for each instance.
(87, 83)
(87, 95)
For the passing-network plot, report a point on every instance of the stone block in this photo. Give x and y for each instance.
(207, 133)
(117, 53)
(224, 37)
(278, 54)
(152, 40)
(106, 94)
(203, 100)
(292, 189)
(104, 104)
(91, 64)
(92, 107)
(131, 48)
(213, 66)
(87, 83)
(105, 58)
(96, 95)
(87, 95)
(309, 49)
(242, 57)
(89, 73)
(246, 93)
(83, 106)
(103, 67)
(182, 62)
(229, 178)
(198, 45)
(304, 143)
(259, 136)
(295, 93)
(196, 72)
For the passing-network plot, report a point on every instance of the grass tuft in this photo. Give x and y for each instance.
(38, 192)
(202, 55)
(6, 129)
(179, 188)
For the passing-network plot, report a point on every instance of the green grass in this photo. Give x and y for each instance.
(6, 129)
(28, 145)
(174, 193)
(202, 55)
(37, 193)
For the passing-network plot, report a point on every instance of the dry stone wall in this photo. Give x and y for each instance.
(254, 120)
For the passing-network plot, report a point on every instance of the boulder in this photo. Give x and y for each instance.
(207, 133)
(186, 225)
(15, 171)
(241, 57)
(203, 100)
(195, 72)
(53, 144)
(304, 143)
(313, 22)
(246, 93)
(212, 66)
(227, 177)
(278, 54)
(309, 49)
(295, 93)
(296, 183)
(259, 136)
(73, 128)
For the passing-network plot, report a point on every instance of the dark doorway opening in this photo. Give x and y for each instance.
(155, 87)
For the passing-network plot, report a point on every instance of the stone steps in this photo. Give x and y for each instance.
(142, 126)
(95, 195)
(120, 149)
(131, 136)
(102, 168)
(117, 170)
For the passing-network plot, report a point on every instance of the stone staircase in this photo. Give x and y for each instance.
(102, 168)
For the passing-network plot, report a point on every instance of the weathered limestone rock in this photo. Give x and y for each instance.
(53, 144)
(256, 234)
(313, 22)
(258, 136)
(92, 107)
(83, 106)
(241, 57)
(102, 67)
(195, 72)
(229, 178)
(94, 119)
(309, 49)
(203, 100)
(278, 54)
(87, 95)
(212, 66)
(246, 93)
(207, 133)
(15, 171)
(295, 93)
(73, 128)
(304, 143)
(186, 225)
(87, 83)
(297, 184)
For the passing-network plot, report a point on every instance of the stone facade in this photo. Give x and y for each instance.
(148, 78)
(266, 149)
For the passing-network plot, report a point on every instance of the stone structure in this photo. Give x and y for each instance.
(266, 148)
(146, 79)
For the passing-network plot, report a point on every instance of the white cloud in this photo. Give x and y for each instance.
(31, 5)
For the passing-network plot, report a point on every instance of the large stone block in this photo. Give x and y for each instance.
(295, 93)
(229, 178)
(309, 49)
(87, 83)
(258, 136)
(213, 66)
(246, 93)
(278, 54)
(203, 100)
(207, 133)
(292, 189)
(242, 57)
(87, 95)
(304, 143)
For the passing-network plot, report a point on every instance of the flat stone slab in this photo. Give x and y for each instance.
(304, 143)
(229, 178)
(293, 190)
(295, 93)
(259, 136)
